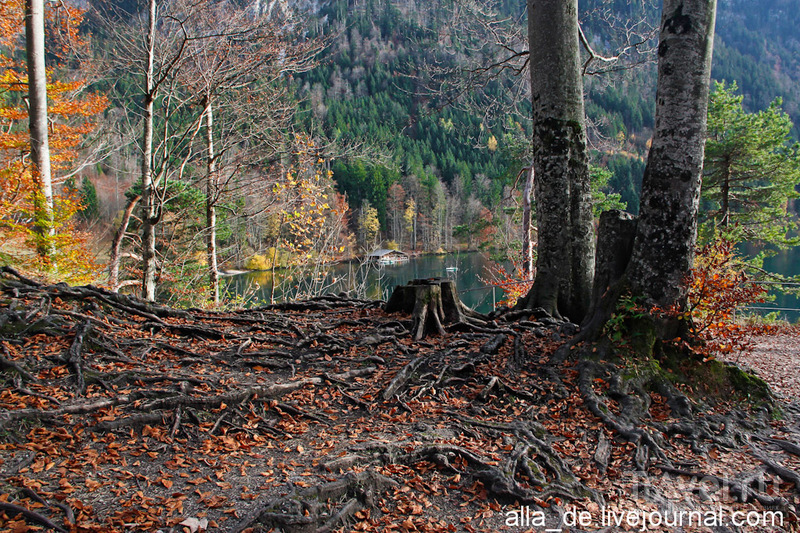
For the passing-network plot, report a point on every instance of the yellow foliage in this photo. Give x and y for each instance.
(305, 217)
(258, 262)
(69, 117)
(265, 261)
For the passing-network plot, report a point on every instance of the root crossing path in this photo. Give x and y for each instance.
(326, 415)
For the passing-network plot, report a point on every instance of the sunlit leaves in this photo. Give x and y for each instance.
(71, 111)
(719, 286)
(302, 195)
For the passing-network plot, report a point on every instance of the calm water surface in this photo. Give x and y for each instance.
(377, 283)
(786, 262)
(374, 282)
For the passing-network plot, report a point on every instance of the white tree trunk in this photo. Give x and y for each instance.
(40, 148)
(149, 200)
(211, 198)
(666, 232)
(527, 245)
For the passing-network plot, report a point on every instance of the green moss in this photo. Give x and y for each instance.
(746, 384)
(648, 364)
(642, 334)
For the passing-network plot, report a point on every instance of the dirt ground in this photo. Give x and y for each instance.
(775, 358)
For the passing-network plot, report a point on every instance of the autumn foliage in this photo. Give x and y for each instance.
(70, 112)
(719, 286)
(513, 286)
(308, 206)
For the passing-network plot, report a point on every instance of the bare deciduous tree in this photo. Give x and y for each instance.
(237, 63)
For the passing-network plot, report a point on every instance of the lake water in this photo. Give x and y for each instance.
(375, 282)
(786, 262)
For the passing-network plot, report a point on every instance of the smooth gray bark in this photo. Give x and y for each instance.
(150, 209)
(37, 113)
(663, 250)
(211, 199)
(565, 254)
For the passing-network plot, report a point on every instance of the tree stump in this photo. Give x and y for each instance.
(433, 303)
(614, 247)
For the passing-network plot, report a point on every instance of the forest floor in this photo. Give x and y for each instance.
(775, 357)
(116, 415)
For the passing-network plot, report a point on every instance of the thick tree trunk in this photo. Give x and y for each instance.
(211, 209)
(149, 200)
(40, 148)
(666, 233)
(565, 254)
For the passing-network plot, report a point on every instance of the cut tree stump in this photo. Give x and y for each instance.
(614, 247)
(433, 304)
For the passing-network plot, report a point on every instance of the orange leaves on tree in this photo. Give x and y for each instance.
(70, 118)
(718, 285)
(513, 287)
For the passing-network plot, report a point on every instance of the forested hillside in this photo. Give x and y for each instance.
(291, 135)
(371, 89)
(369, 95)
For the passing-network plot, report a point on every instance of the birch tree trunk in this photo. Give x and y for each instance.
(211, 199)
(149, 200)
(666, 232)
(565, 258)
(40, 148)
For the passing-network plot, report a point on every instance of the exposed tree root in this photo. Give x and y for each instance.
(32, 516)
(339, 386)
(307, 510)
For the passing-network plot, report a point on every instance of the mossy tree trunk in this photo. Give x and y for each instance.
(663, 251)
(565, 254)
(662, 254)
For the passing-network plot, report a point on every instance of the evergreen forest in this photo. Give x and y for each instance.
(338, 127)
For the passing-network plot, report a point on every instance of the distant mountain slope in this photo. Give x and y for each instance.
(367, 91)
(758, 46)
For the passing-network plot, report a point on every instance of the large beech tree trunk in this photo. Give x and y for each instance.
(666, 231)
(565, 255)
